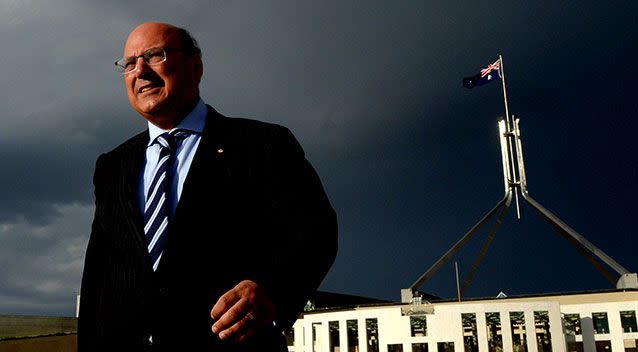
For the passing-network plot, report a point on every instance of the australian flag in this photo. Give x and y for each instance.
(490, 73)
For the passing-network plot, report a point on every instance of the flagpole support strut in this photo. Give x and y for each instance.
(515, 181)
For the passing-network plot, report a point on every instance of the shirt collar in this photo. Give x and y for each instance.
(193, 122)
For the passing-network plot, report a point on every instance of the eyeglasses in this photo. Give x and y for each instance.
(152, 57)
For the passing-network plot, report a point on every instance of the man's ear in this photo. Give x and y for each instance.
(198, 68)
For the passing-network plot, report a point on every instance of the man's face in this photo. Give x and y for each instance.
(162, 93)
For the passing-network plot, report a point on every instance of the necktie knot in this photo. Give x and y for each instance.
(169, 140)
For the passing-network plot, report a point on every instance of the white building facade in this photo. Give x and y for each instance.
(589, 322)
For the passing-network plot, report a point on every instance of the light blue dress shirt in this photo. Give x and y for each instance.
(194, 122)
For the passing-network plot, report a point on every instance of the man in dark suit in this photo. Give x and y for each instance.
(210, 232)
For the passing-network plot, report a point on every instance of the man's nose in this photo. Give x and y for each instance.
(141, 67)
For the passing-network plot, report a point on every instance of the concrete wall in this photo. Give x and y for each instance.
(62, 343)
(18, 326)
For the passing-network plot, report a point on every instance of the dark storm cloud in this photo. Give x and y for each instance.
(52, 157)
(372, 90)
(43, 263)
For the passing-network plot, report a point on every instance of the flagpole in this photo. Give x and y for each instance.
(509, 134)
(507, 109)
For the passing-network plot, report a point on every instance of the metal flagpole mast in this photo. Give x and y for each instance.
(514, 178)
(502, 72)
(512, 175)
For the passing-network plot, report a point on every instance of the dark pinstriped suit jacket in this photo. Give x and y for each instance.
(252, 207)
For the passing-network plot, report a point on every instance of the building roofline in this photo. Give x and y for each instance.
(476, 299)
(532, 295)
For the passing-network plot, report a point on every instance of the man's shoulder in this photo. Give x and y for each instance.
(131, 145)
(255, 136)
(243, 125)
(249, 130)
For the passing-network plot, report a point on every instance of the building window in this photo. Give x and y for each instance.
(395, 347)
(470, 338)
(445, 347)
(601, 324)
(494, 335)
(575, 346)
(572, 324)
(353, 335)
(290, 336)
(543, 336)
(517, 322)
(418, 325)
(333, 328)
(372, 335)
(628, 320)
(420, 347)
(603, 346)
(630, 345)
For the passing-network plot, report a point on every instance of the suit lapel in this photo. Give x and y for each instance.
(131, 169)
(207, 158)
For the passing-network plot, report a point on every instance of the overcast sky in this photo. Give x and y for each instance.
(372, 90)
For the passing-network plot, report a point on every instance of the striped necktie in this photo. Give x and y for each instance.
(157, 209)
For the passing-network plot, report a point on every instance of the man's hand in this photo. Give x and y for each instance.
(242, 311)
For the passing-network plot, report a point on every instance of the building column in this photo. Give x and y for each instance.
(615, 330)
(343, 336)
(556, 330)
(363, 341)
(530, 331)
(481, 331)
(587, 326)
(506, 331)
